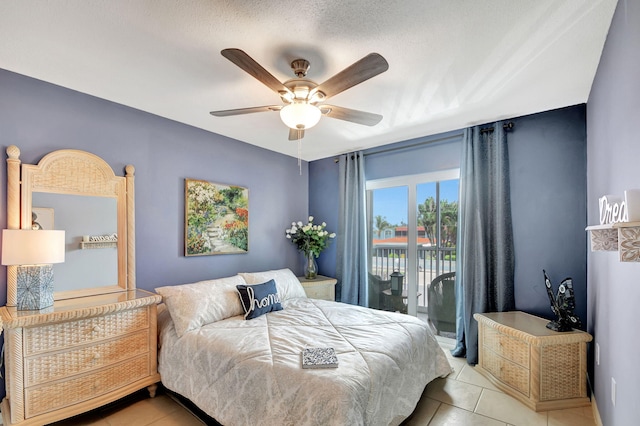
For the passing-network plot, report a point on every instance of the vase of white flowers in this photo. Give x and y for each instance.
(310, 239)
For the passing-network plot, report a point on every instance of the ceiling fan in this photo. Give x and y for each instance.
(304, 99)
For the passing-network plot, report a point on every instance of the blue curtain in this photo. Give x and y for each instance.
(351, 261)
(484, 280)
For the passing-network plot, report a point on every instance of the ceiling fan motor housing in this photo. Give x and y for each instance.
(300, 67)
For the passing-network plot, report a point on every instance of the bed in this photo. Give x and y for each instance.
(241, 371)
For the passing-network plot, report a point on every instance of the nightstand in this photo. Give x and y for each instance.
(319, 288)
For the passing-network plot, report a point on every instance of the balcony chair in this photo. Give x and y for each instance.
(441, 302)
(376, 286)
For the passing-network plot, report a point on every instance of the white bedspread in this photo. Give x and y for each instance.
(249, 372)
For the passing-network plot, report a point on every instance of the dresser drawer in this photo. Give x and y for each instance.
(507, 347)
(73, 333)
(48, 367)
(45, 398)
(507, 372)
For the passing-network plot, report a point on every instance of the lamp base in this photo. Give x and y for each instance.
(35, 287)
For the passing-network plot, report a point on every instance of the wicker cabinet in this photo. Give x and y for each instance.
(319, 288)
(544, 369)
(78, 355)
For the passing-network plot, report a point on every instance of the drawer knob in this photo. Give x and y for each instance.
(97, 328)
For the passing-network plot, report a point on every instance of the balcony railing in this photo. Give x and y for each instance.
(432, 262)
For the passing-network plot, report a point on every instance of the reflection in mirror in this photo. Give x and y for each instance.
(80, 216)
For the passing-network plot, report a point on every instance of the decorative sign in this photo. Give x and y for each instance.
(113, 238)
(613, 209)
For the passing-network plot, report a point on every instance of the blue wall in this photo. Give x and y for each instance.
(613, 153)
(547, 153)
(39, 117)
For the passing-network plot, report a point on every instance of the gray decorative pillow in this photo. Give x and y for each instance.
(288, 285)
(193, 305)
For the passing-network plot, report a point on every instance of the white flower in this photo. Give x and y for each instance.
(309, 238)
(332, 235)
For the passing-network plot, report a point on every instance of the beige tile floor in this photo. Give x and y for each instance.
(466, 397)
(463, 398)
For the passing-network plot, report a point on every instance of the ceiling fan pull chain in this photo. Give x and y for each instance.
(300, 154)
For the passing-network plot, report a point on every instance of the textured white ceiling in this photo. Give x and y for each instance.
(451, 63)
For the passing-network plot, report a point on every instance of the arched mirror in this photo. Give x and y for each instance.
(77, 192)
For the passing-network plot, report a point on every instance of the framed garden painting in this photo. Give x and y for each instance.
(216, 218)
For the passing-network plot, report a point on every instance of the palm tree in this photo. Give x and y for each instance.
(381, 224)
(427, 218)
(449, 222)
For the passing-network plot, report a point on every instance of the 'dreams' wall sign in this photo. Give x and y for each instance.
(614, 209)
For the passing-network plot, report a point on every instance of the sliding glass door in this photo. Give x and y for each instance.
(412, 228)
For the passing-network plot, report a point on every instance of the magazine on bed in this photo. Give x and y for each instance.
(319, 358)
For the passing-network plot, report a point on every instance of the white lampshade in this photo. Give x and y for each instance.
(300, 115)
(32, 247)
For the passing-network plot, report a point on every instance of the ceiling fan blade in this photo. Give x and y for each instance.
(246, 62)
(353, 115)
(295, 134)
(362, 70)
(240, 111)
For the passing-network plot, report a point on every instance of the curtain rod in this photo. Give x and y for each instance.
(506, 126)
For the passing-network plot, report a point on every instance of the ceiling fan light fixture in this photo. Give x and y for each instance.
(300, 115)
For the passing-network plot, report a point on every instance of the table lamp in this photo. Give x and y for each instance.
(34, 252)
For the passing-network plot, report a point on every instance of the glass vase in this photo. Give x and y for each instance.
(310, 267)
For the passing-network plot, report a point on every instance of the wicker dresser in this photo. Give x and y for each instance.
(544, 369)
(319, 288)
(78, 355)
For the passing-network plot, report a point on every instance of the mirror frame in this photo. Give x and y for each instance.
(74, 172)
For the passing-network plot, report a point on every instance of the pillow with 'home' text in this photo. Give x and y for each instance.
(258, 299)
(288, 285)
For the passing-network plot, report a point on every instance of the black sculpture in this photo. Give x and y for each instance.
(562, 305)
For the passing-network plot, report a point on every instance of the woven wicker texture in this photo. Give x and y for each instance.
(57, 395)
(77, 175)
(45, 368)
(560, 378)
(508, 372)
(507, 347)
(73, 333)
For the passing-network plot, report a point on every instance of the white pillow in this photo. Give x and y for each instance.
(288, 285)
(193, 305)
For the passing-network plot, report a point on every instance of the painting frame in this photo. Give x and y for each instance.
(42, 218)
(216, 218)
